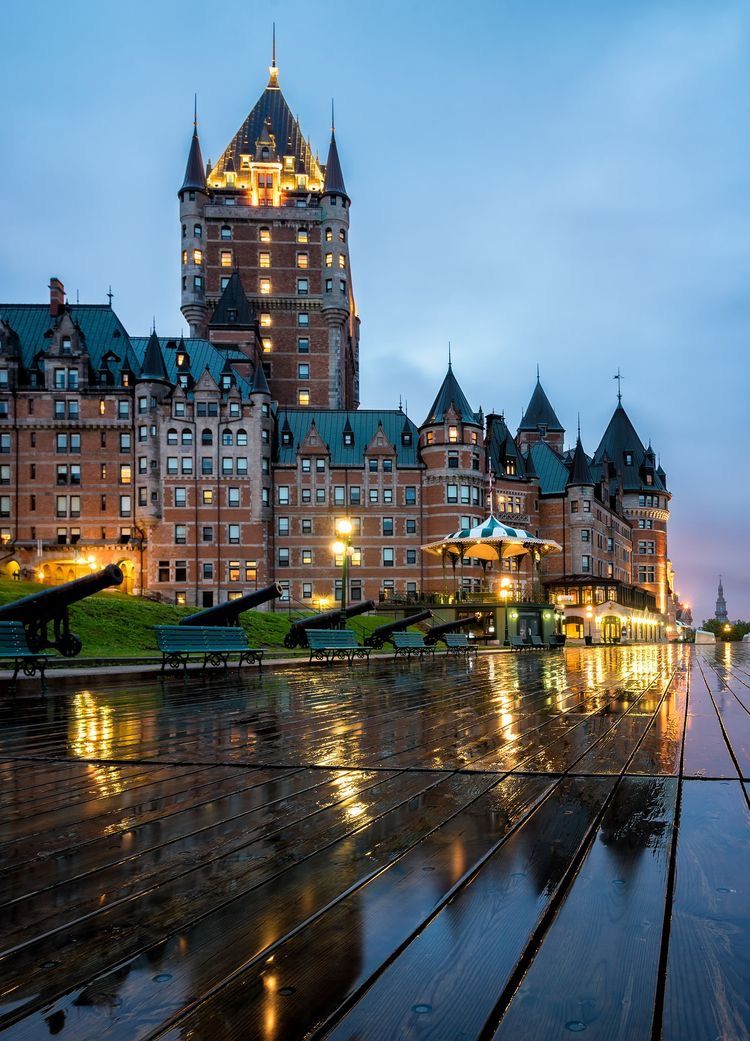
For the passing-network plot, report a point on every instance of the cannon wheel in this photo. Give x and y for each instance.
(290, 640)
(69, 645)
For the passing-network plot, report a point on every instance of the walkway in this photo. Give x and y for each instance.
(518, 850)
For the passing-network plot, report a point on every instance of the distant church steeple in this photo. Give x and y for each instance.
(721, 605)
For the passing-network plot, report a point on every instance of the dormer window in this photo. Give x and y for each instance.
(226, 382)
(510, 468)
(232, 314)
(348, 438)
(66, 345)
(264, 154)
(628, 458)
(542, 429)
(286, 437)
(406, 438)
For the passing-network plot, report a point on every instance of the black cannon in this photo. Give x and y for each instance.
(383, 633)
(438, 631)
(297, 637)
(51, 605)
(229, 613)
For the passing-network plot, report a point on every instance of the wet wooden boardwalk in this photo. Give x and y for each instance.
(522, 849)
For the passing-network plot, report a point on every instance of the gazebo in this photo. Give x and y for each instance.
(492, 540)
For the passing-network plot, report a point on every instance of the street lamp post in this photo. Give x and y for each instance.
(343, 545)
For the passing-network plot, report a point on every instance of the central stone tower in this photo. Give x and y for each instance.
(271, 212)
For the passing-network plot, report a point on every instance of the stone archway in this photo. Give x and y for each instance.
(128, 570)
(573, 627)
(13, 570)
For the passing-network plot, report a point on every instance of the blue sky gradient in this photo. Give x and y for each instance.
(539, 182)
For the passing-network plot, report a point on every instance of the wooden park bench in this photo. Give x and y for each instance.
(411, 645)
(214, 644)
(537, 642)
(459, 643)
(328, 644)
(517, 643)
(15, 647)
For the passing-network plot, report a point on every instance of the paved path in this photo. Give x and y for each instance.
(524, 848)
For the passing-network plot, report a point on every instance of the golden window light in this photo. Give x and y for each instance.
(303, 397)
(265, 286)
(264, 259)
(265, 321)
(197, 256)
(226, 258)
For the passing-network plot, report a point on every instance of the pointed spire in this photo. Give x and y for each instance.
(580, 471)
(273, 71)
(529, 464)
(195, 171)
(450, 395)
(260, 383)
(152, 366)
(539, 412)
(233, 307)
(334, 181)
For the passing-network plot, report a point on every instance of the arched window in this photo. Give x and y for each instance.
(226, 437)
(342, 235)
(187, 436)
(264, 154)
(242, 437)
(207, 437)
(329, 234)
(172, 436)
(226, 231)
(184, 231)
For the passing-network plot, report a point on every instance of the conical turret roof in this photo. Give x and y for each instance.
(539, 412)
(153, 367)
(260, 383)
(624, 448)
(450, 394)
(580, 470)
(334, 183)
(195, 171)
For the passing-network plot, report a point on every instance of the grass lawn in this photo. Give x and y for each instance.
(113, 625)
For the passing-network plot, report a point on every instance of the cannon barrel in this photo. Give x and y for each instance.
(229, 613)
(437, 631)
(327, 620)
(51, 605)
(383, 633)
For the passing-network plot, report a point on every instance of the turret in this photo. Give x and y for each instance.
(540, 422)
(193, 197)
(338, 302)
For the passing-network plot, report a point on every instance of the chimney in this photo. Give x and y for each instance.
(56, 297)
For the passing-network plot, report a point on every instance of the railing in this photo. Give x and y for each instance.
(462, 596)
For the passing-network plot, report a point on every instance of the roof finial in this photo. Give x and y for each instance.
(195, 112)
(449, 354)
(537, 372)
(153, 324)
(619, 379)
(273, 79)
(579, 426)
(110, 294)
(333, 120)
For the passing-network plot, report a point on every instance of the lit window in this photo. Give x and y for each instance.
(265, 286)
(265, 321)
(226, 258)
(453, 435)
(302, 235)
(267, 344)
(125, 473)
(197, 256)
(329, 235)
(264, 234)
(208, 496)
(184, 256)
(307, 557)
(302, 260)
(342, 236)
(264, 259)
(303, 397)
(329, 259)
(342, 260)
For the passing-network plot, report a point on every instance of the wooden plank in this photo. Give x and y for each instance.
(708, 964)
(706, 752)
(446, 982)
(391, 907)
(596, 970)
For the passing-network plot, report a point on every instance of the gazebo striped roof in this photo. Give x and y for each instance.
(491, 528)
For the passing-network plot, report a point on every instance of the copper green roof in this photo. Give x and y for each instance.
(501, 448)
(539, 412)
(331, 424)
(450, 395)
(552, 471)
(101, 328)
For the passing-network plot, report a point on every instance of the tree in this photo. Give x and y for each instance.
(727, 631)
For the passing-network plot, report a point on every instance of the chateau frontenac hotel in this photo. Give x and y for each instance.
(210, 465)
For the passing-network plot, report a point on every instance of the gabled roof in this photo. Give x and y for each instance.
(539, 412)
(100, 326)
(552, 471)
(203, 355)
(450, 394)
(334, 182)
(330, 425)
(619, 440)
(233, 301)
(195, 172)
(501, 447)
(271, 107)
(152, 366)
(580, 471)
